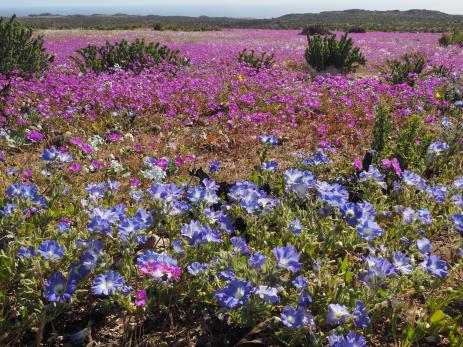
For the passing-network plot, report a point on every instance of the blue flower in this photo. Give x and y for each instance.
(351, 340)
(296, 318)
(107, 284)
(269, 294)
(299, 181)
(197, 268)
(438, 148)
(361, 319)
(337, 314)
(304, 300)
(268, 139)
(227, 275)
(234, 294)
(369, 230)
(318, 158)
(352, 213)
(435, 266)
(458, 183)
(402, 263)
(287, 258)
(257, 260)
(415, 180)
(300, 282)
(240, 245)
(424, 246)
(269, 166)
(373, 174)
(457, 221)
(99, 225)
(50, 249)
(214, 166)
(424, 216)
(26, 252)
(295, 227)
(438, 193)
(196, 194)
(378, 269)
(333, 194)
(58, 289)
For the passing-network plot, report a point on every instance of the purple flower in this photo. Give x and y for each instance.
(234, 294)
(287, 258)
(435, 266)
(35, 136)
(107, 284)
(58, 289)
(50, 249)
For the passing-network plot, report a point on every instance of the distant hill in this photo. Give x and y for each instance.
(411, 20)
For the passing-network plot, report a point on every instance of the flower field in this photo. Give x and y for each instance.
(213, 203)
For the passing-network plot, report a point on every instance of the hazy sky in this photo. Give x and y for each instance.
(236, 8)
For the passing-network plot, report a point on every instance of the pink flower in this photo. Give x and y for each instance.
(396, 166)
(161, 270)
(27, 173)
(190, 158)
(386, 164)
(2, 156)
(358, 164)
(137, 147)
(75, 167)
(35, 136)
(134, 182)
(163, 163)
(114, 137)
(179, 161)
(140, 298)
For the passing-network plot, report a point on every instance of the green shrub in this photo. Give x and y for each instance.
(316, 29)
(264, 59)
(122, 55)
(326, 52)
(357, 30)
(453, 38)
(21, 52)
(406, 69)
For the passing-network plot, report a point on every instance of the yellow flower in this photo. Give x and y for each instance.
(241, 77)
(438, 96)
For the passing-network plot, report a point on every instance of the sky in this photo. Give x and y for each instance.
(229, 8)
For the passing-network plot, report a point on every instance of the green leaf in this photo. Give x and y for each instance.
(437, 316)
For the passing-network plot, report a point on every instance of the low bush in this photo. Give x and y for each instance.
(257, 61)
(134, 56)
(406, 69)
(325, 52)
(21, 53)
